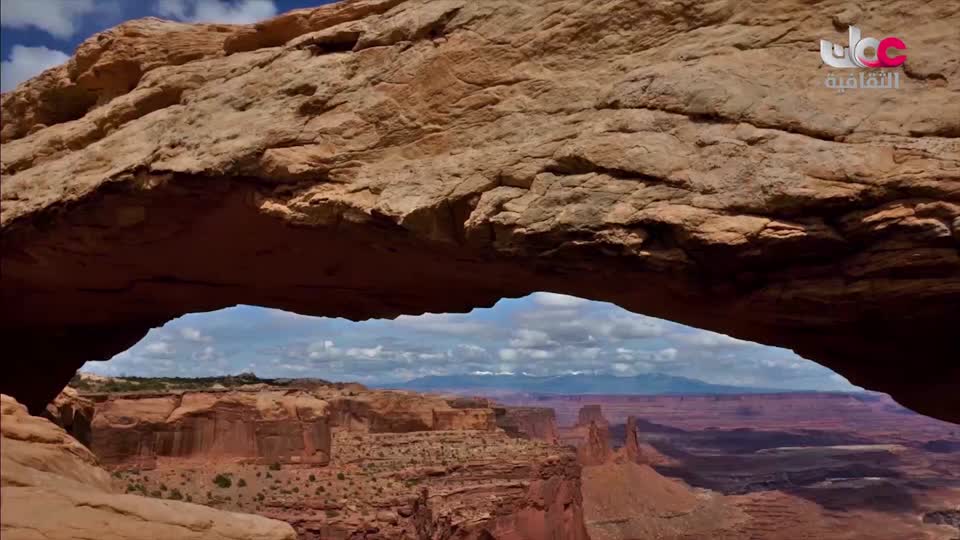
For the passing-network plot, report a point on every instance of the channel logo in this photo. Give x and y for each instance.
(855, 56)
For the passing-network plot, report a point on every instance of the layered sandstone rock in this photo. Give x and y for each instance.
(53, 488)
(592, 413)
(387, 411)
(595, 449)
(627, 500)
(682, 160)
(73, 413)
(400, 465)
(590, 436)
(267, 426)
(439, 485)
(637, 450)
(538, 423)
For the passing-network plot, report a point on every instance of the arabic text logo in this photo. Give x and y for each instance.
(855, 56)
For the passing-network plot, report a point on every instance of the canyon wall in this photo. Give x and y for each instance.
(53, 488)
(73, 413)
(384, 411)
(469, 485)
(384, 465)
(530, 422)
(267, 427)
(851, 412)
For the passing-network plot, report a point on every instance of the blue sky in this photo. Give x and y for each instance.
(542, 334)
(39, 34)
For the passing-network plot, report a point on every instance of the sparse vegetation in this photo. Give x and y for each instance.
(222, 481)
(159, 384)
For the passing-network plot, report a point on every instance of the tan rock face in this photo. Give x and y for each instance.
(398, 412)
(682, 161)
(264, 427)
(53, 488)
(73, 413)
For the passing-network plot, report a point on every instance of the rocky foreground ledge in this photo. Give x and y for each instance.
(54, 489)
(379, 157)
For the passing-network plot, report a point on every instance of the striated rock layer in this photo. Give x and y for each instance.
(73, 413)
(396, 465)
(683, 160)
(53, 488)
(538, 423)
(267, 426)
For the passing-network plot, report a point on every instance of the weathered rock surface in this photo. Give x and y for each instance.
(417, 467)
(397, 412)
(539, 423)
(627, 500)
(73, 413)
(53, 489)
(590, 436)
(265, 426)
(637, 450)
(683, 161)
(591, 414)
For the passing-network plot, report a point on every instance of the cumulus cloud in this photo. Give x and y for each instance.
(631, 327)
(469, 351)
(524, 336)
(59, 18)
(712, 340)
(207, 354)
(27, 62)
(217, 11)
(159, 349)
(194, 335)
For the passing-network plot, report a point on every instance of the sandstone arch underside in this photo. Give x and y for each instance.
(380, 157)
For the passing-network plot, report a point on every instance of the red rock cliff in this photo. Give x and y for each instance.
(73, 413)
(528, 422)
(53, 488)
(272, 426)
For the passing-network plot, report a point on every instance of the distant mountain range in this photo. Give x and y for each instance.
(648, 384)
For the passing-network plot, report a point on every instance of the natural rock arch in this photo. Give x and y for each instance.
(379, 157)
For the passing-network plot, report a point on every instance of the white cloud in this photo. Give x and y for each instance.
(27, 62)
(60, 18)
(217, 11)
(159, 349)
(208, 354)
(322, 349)
(557, 300)
(469, 351)
(194, 335)
(712, 340)
(509, 354)
(361, 352)
(631, 327)
(526, 338)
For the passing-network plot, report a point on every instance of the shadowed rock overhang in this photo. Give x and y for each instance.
(378, 157)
